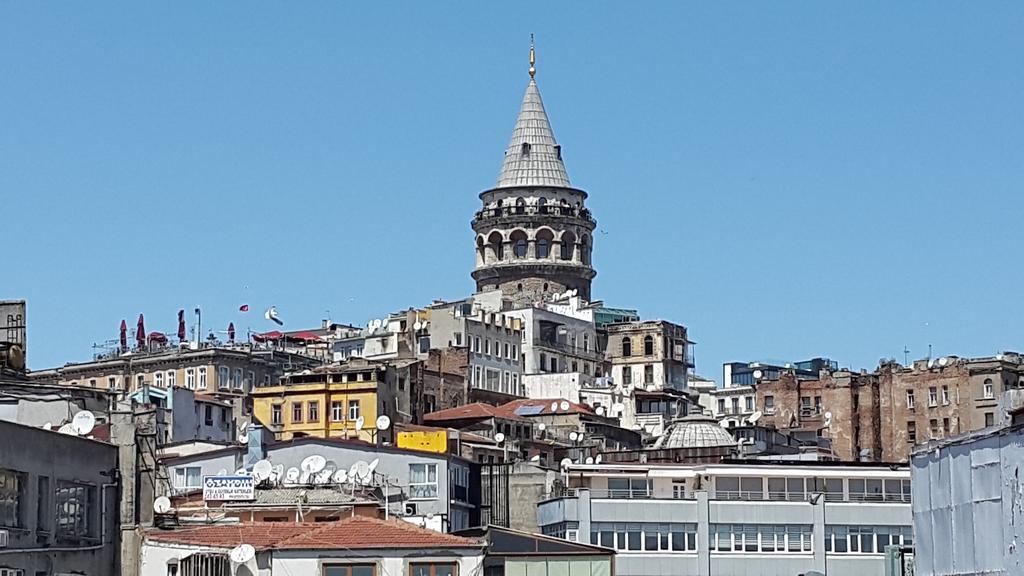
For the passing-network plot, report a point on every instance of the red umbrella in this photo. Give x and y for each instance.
(124, 335)
(181, 325)
(140, 332)
(231, 332)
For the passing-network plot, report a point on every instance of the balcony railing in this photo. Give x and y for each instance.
(616, 494)
(508, 211)
(805, 496)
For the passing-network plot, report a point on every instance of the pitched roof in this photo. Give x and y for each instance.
(476, 410)
(540, 407)
(540, 163)
(352, 533)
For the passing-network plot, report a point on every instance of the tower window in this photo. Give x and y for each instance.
(519, 287)
(526, 148)
(558, 151)
(520, 249)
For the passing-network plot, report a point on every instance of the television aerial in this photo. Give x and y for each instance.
(753, 418)
(313, 464)
(242, 553)
(383, 422)
(360, 422)
(590, 460)
(340, 476)
(542, 426)
(574, 436)
(758, 374)
(362, 471)
(262, 470)
(828, 418)
(499, 437)
(597, 459)
(162, 505)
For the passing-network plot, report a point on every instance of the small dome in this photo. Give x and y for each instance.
(695, 431)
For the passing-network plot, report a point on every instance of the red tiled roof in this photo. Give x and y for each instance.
(469, 412)
(510, 408)
(354, 533)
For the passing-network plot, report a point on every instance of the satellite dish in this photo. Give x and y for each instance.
(383, 422)
(242, 426)
(758, 374)
(417, 326)
(564, 405)
(618, 408)
(828, 418)
(292, 475)
(242, 553)
(589, 460)
(262, 470)
(359, 423)
(499, 437)
(353, 472)
(565, 463)
(313, 464)
(600, 410)
(574, 436)
(554, 406)
(48, 426)
(541, 426)
(597, 460)
(362, 470)
(162, 505)
(340, 476)
(243, 438)
(536, 458)
(305, 478)
(753, 418)
(373, 465)
(279, 470)
(68, 429)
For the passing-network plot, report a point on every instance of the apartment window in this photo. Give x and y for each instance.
(158, 380)
(912, 432)
(487, 346)
(296, 411)
(202, 377)
(92, 383)
(933, 426)
(112, 382)
(508, 351)
(172, 378)
(349, 570)
(506, 382)
(476, 344)
(735, 405)
(629, 487)
(251, 382)
(353, 410)
(649, 374)
(749, 401)
(76, 511)
(866, 539)
(223, 414)
(223, 377)
(910, 399)
(554, 364)
(436, 569)
(769, 404)
(337, 411)
(275, 414)
(313, 408)
(763, 538)
(477, 376)
(933, 396)
(586, 342)
(236, 382)
(945, 395)
(188, 478)
(190, 378)
(12, 572)
(721, 405)
(988, 391)
(423, 481)
(990, 419)
(515, 384)
(627, 346)
(12, 499)
(805, 402)
(43, 512)
(515, 352)
(208, 415)
(946, 430)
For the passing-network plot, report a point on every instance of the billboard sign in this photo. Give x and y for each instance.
(222, 488)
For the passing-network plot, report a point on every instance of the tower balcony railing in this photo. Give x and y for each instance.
(511, 211)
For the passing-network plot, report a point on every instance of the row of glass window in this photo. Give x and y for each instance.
(511, 350)
(790, 538)
(312, 411)
(798, 489)
(866, 539)
(645, 536)
(70, 510)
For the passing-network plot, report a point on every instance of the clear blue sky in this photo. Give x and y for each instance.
(786, 179)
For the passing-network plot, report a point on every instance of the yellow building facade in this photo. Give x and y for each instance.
(325, 402)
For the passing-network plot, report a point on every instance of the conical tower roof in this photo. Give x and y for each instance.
(533, 158)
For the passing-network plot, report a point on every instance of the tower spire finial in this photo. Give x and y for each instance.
(533, 58)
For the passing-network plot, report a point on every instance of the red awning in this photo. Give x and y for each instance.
(304, 335)
(272, 335)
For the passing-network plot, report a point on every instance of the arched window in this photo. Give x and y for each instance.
(585, 250)
(648, 345)
(519, 287)
(627, 346)
(496, 242)
(544, 239)
(520, 205)
(568, 240)
(542, 205)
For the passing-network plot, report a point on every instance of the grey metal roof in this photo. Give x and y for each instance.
(540, 163)
(694, 432)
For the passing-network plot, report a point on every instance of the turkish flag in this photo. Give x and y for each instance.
(243, 308)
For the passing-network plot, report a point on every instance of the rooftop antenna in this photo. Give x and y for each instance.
(906, 355)
(383, 422)
(83, 422)
(162, 505)
(554, 406)
(242, 553)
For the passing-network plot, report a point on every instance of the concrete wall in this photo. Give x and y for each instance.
(37, 453)
(393, 562)
(527, 485)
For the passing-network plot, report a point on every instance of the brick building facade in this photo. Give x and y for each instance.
(879, 416)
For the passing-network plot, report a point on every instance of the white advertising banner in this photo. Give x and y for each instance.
(223, 488)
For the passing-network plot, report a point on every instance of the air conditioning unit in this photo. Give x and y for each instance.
(3, 538)
(410, 510)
